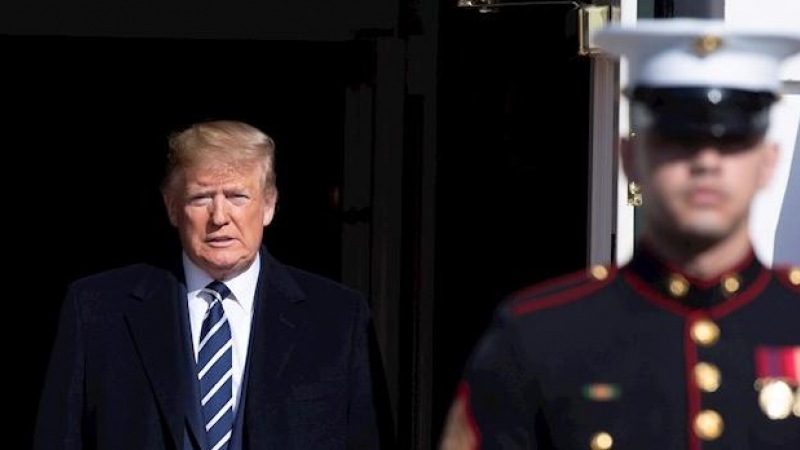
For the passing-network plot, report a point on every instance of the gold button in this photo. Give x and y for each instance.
(730, 284)
(601, 441)
(705, 332)
(708, 425)
(794, 276)
(599, 272)
(678, 285)
(707, 377)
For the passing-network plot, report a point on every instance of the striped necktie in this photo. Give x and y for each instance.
(215, 369)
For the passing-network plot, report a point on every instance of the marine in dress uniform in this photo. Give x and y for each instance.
(647, 356)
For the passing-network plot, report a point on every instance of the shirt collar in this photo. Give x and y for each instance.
(242, 286)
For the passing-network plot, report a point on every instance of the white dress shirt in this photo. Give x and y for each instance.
(238, 308)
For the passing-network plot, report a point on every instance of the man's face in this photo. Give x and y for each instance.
(220, 211)
(702, 188)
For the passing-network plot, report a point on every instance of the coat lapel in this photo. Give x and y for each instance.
(277, 323)
(159, 332)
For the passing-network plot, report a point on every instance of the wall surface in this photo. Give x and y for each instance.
(776, 214)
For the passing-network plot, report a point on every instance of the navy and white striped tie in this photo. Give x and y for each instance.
(215, 369)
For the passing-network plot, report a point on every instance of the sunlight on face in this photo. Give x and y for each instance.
(703, 189)
(220, 211)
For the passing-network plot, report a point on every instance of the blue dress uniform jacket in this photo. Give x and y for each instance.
(639, 357)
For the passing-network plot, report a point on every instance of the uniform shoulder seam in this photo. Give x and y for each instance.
(561, 290)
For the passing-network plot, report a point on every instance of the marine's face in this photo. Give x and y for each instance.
(702, 189)
(220, 211)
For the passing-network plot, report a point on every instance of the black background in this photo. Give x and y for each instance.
(88, 104)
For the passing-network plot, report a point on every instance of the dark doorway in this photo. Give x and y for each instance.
(513, 156)
(87, 117)
(85, 129)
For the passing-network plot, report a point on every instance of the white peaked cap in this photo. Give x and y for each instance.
(700, 52)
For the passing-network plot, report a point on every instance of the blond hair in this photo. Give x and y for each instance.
(228, 141)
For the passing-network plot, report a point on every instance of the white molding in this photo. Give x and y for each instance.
(605, 93)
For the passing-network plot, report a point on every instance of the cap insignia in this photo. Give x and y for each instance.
(707, 44)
